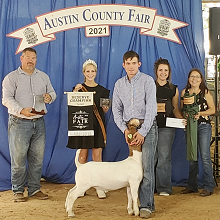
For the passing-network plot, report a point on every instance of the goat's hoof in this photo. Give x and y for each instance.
(101, 194)
(130, 212)
(136, 213)
(71, 215)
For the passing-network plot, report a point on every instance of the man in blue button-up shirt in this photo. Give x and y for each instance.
(134, 96)
(26, 129)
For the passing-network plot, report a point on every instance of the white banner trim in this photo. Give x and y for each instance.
(81, 133)
(80, 98)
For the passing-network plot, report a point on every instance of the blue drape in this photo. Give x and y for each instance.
(62, 60)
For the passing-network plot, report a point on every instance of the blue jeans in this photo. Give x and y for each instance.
(26, 145)
(163, 160)
(146, 189)
(204, 137)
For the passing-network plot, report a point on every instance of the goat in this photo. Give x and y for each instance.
(108, 176)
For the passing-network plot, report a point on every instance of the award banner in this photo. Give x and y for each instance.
(80, 113)
(97, 20)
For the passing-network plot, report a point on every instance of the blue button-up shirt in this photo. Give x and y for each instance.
(19, 89)
(135, 99)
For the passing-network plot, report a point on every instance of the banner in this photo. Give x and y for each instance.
(96, 19)
(80, 113)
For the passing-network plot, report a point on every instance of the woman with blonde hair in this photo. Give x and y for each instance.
(96, 142)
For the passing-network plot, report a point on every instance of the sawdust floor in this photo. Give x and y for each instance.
(174, 207)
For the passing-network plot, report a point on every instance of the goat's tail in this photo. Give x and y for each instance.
(77, 158)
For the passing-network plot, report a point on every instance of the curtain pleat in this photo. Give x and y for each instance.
(62, 60)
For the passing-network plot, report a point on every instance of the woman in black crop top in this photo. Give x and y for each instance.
(167, 101)
(196, 85)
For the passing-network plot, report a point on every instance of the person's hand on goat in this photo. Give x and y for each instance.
(137, 138)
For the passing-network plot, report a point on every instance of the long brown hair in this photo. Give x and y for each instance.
(202, 85)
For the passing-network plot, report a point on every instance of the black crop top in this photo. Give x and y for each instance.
(165, 94)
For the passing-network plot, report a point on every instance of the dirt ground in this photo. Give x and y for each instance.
(174, 207)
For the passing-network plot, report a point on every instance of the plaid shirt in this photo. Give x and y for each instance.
(135, 99)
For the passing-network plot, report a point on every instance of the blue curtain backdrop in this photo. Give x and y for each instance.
(62, 60)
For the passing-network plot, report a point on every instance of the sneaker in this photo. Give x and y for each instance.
(145, 213)
(101, 194)
(40, 195)
(19, 197)
(164, 194)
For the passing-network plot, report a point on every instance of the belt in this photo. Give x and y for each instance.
(25, 119)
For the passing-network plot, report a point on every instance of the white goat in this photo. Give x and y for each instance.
(108, 176)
